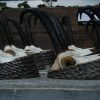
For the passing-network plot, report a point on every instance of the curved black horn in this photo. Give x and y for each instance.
(91, 15)
(6, 28)
(27, 26)
(67, 23)
(49, 24)
(90, 11)
(96, 27)
(57, 29)
(29, 19)
(2, 34)
(19, 29)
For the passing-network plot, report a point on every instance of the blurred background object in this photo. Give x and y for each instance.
(66, 3)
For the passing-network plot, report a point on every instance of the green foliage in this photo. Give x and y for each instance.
(3, 5)
(49, 2)
(23, 5)
(5, 8)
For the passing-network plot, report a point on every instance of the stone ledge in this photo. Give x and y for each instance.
(46, 83)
